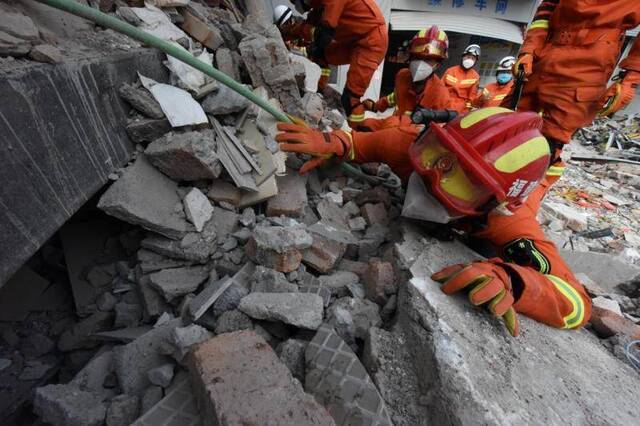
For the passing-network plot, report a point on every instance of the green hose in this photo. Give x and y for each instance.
(120, 26)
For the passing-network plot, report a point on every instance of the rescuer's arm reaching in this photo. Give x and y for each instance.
(535, 37)
(622, 91)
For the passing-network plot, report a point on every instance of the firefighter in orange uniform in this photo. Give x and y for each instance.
(481, 166)
(570, 51)
(417, 85)
(462, 80)
(341, 32)
(493, 94)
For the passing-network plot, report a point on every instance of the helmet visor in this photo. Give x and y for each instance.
(445, 175)
(432, 49)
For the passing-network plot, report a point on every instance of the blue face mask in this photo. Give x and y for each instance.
(503, 78)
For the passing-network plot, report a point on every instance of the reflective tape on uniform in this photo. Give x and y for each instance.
(352, 152)
(451, 79)
(356, 117)
(555, 171)
(540, 23)
(469, 81)
(500, 97)
(576, 316)
(407, 113)
(391, 99)
(325, 71)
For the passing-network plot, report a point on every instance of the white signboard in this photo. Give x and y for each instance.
(511, 10)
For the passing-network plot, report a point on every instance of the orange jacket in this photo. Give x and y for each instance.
(463, 87)
(551, 294)
(351, 19)
(434, 95)
(493, 94)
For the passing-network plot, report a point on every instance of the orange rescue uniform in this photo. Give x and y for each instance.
(360, 38)
(434, 95)
(493, 95)
(575, 45)
(463, 87)
(550, 293)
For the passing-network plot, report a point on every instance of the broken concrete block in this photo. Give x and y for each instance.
(152, 396)
(302, 310)
(605, 303)
(172, 283)
(141, 100)
(248, 217)
(607, 323)
(144, 196)
(147, 130)
(352, 318)
(133, 360)
(291, 353)
(127, 315)
(606, 270)
(226, 222)
(391, 368)
(224, 101)
(225, 62)
(78, 336)
(375, 213)
(574, 218)
(230, 298)
(377, 280)
(240, 380)
(267, 60)
(313, 107)
(233, 320)
(197, 208)
(153, 303)
(266, 280)
(292, 196)
(278, 247)
(178, 406)
(13, 46)
(339, 282)
(357, 224)
(337, 379)
(18, 25)
(194, 246)
(124, 409)
(183, 338)
(46, 53)
(206, 33)
(162, 375)
(221, 191)
(332, 214)
(186, 156)
(66, 405)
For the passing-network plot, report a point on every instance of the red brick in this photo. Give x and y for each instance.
(323, 253)
(375, 213)
(379, 276)
(292, 196)
(607, 323)
(287, 261)
(239, 380)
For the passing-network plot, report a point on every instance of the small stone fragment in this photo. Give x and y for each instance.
(162, 375)
(46, 53)
(197, 208)
(302, 310)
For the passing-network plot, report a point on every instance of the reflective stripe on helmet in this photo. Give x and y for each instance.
(522, 155)
(479, 115)
(325, 72)
(555, 171)
(576, 316)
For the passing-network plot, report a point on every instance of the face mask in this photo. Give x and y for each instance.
(468, 63)
(420, 70)
(503, 78)
(420, 204)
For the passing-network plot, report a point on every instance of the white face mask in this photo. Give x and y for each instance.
(468, 63)
(420, 70)
(421, 205)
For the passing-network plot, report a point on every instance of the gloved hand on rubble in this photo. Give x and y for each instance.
(321, 146)
(488, 284)
(620, 93)
(524, 62)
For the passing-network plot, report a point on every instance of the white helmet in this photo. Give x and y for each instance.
(281, 14)
(506, 63)
(472, 49)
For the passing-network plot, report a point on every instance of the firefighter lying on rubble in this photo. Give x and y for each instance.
(478, 170)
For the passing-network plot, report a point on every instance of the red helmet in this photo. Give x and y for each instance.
(491, 153)
(430, 43)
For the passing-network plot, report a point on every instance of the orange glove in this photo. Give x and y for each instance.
(369, 105)
(620, 94)
(322, 146)
(524, 62)
(488, 283)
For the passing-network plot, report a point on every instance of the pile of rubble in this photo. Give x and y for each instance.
(232, 255)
